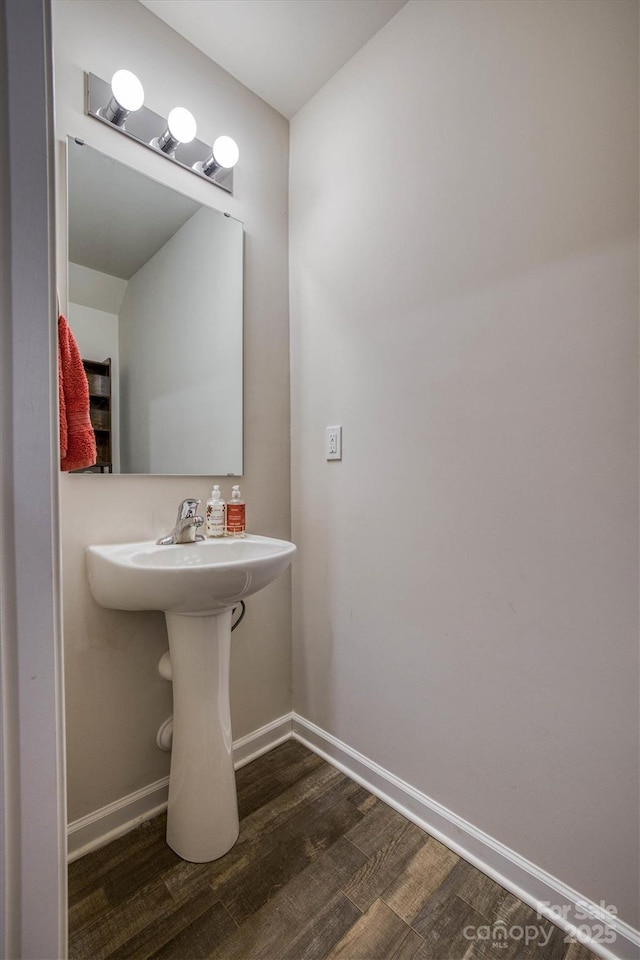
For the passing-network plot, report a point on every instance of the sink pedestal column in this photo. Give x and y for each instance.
(202, 820)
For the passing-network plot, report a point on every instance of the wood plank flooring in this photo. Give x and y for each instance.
(322, 869)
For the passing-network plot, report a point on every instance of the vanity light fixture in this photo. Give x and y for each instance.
(127, 94)
(173, 138)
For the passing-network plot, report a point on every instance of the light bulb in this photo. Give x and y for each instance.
(225, 152)
(127, 90)
(224, 155)
(181, 125)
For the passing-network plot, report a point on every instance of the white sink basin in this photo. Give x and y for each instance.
(196, 585)
(191, 578)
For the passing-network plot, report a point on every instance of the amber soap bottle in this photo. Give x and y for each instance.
(236, 524)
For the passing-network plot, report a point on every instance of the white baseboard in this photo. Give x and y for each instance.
(614, 939)
(261, 741)
(103, 825)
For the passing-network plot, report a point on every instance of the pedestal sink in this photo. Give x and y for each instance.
(196, 585)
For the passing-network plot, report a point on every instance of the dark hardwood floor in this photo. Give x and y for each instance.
(321, 869)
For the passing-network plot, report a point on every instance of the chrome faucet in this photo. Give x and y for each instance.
(186, 525)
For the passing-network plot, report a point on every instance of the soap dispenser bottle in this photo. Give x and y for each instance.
(236, 514)
(215, 517)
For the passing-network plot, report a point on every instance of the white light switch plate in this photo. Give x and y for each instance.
(333, 443)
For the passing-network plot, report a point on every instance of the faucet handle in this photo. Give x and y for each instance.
(187, 509)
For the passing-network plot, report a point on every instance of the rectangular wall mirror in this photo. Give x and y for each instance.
(155, 304)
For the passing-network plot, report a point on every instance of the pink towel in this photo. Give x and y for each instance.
(77, 439)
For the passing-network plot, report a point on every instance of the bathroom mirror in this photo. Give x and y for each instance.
(155, 305)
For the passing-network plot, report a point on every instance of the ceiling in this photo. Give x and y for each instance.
(282, 50)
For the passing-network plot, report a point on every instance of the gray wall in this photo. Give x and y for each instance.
(464, 297)
(115, 699)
